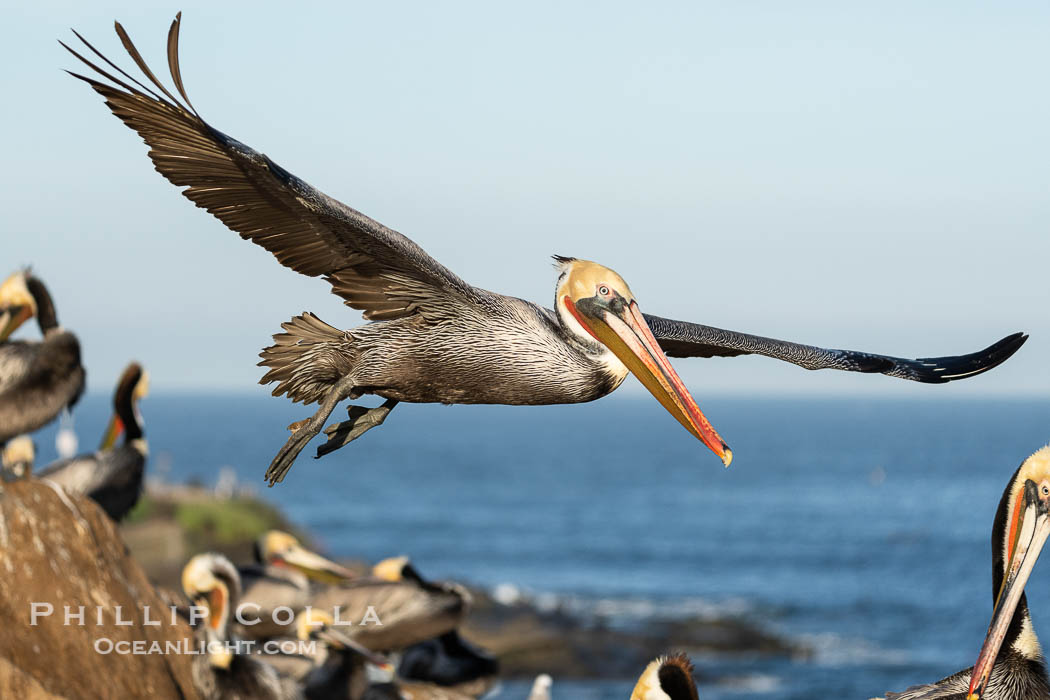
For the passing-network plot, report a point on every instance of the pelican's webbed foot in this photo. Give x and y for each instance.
(361, 421)
(304, 431)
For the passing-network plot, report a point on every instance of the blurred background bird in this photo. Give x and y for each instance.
(113, 475)
(38, 379)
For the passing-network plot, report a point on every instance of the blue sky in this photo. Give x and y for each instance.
(870, 176)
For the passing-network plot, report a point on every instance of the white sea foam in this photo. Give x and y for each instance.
(835, 651)
(625, 610)
(752, 683)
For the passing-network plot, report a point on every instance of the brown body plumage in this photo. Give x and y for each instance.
(223, 672)
(113, 475)
(280, 578)
(37, 378)
(531, 363)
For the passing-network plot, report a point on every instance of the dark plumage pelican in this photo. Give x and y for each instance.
(281, 578)
(437, 339)
(1011, 664)
(340, 672)
(37, 379)
(112, 476)
(212, 584)
(448, 659)
(667, 678)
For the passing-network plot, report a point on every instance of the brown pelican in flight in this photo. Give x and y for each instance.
(37, 378)
(1010, 665)
(112, 476)
(221, 673)
(667, 678)
(435, 338)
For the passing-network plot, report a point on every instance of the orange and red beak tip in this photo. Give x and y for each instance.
(727, 455)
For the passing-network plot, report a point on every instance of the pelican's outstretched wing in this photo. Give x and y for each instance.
(683, 339)
(372, 267)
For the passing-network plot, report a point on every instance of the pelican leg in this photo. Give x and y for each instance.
(304, 431)
(361, 421)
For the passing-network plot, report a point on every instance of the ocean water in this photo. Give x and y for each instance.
(858, 526)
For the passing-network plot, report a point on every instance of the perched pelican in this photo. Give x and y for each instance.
(16, 461)
(112, 476)
(410, 611)
(667, 678)
(447, 659)
(281, 578)
(437, 339)
(212, 584)
(37, 379)
(1018, 671)
(340, 673)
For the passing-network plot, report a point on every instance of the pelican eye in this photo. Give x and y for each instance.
(603, 290)
(1045, 490)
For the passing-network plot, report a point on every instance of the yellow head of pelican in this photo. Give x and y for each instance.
(599, 309)
(278, 548)
(1024, 531)
(212, 582)
(667, 678)
(396, 569)
(17, 457)
(17, 304)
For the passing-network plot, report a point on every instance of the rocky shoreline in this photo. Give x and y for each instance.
(174, 522)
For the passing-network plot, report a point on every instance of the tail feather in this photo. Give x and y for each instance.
(306, 359)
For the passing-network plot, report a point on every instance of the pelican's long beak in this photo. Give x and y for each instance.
(620, 326)
(339, 640)
(1030, 526)
(113, 431)
(12, 317)
(315, 566)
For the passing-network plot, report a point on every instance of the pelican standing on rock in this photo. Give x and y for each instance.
(409, 612)
(667, 678)
(435, 338)
(1010, 665)
(112, 476)
(341, 671)
(448, 659)
(281, 578)
(16, 461)
(212, 584)
(37, 379)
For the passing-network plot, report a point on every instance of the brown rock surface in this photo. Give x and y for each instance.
(64, 551)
